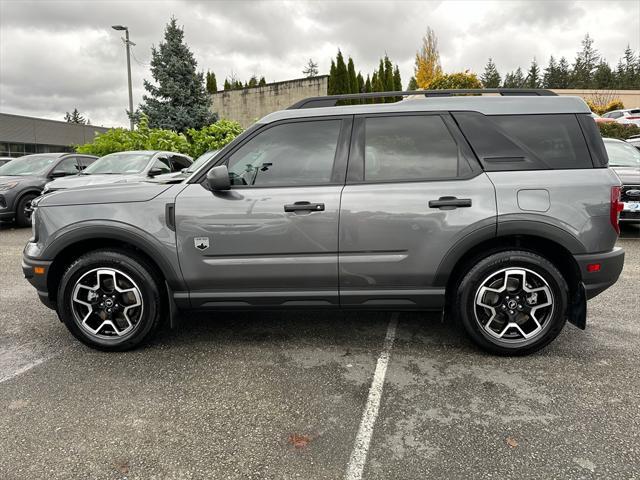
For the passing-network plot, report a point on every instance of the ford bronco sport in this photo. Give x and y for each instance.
(498, 209)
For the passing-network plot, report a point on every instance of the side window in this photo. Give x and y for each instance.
(556, 140)
(413, 147)
(288, 154)
(178, 163)
(68, 166)
(85, 162)
(615, 115)
(162, 164)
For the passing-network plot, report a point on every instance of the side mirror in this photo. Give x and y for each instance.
(59, 173)
(154, 171)
(218, 178)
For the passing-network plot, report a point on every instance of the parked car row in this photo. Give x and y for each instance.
(30, 176)
(625, 160)
(626, 117)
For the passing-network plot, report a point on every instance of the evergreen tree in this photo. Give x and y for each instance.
(311, 69)
(341, 85)
(563, 74)
(331, 89)
(630, 77)
(360, 83)
(178, 100)
(368, 88)
(253, 82)
(603, 76)
(212, 85)
(75, 117)
(353, 79)
(262, 82)
(413, 84)
(550, 76)
(533, 79)
(397, 81)
(388, 75)
(586, 61)
(514, 79)
(227, 84)
(491, 78)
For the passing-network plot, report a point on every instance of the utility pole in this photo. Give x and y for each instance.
(128, 44)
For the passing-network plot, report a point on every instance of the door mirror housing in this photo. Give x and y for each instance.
(59, 173)
(154, 171)
(218, 178)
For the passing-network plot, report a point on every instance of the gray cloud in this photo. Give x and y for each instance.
(56, 55)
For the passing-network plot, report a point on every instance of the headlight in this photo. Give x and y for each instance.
(7, 186)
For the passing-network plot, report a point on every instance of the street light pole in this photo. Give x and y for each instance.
(128, 44)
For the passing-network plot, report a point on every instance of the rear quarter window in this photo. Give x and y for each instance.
(526, 142)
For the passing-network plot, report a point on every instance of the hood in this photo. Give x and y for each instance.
(106, 193)
(74, 181)
(18, 178)
(628, 175)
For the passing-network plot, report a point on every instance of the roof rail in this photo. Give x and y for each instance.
(332, 100)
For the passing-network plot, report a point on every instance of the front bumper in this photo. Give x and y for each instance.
(38, 280)
(610, 267)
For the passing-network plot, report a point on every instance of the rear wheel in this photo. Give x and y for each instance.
(110, 300)
(23, 210)
(513, 302)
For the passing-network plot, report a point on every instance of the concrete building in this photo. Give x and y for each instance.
(21, 135)
(249, 104)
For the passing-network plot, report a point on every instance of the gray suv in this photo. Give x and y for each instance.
(498, 210)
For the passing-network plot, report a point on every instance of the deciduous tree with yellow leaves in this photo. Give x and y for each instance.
(427, 67)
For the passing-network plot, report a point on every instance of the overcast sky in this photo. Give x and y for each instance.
(56, 55)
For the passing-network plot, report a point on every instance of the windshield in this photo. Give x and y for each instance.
(201, 160)
(119, 163)
(622, 154)
(28, 165)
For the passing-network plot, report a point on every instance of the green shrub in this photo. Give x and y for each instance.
(212, 137)
(618, 130)
(601, 109)
(455, 80)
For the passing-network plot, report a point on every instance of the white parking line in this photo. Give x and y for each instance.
(363, 439)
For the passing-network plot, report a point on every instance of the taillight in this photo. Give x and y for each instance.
(633, 118)
(616, 207)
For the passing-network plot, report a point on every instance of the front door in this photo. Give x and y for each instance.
(272, 239)
(413, 190)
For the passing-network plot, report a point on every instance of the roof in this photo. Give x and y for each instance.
(488, 105)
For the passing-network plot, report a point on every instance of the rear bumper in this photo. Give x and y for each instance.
(38, 281)
(596, 282)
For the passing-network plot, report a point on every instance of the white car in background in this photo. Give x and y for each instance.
(627, 116)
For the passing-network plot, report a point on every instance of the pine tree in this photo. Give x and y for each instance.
(563, 74)
(397, 81)
(388, 76)
(311, 69)
(514, 79)
(360, 83)
(341, 85)
(212, 85)
(491, 78)
(368, 89)
(603, 76)
(262, 82)
(75, 117)
(550, 76)
(533, 75)
(227, 84)
(353, 79)
(631, 70)
(253, 82)
(178, 100)
(586, 61)
(413, 84)
(331, 89)
(427, 65)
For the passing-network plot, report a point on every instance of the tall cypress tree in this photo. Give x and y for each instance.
(368, 88)
(490, 78)
(353, 79)
(331, 88)
(211, 83)
(178, 100)
(360, 83)
(342, 75)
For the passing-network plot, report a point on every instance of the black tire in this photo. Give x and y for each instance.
(22, 218)
(490, 269)
(127, 267)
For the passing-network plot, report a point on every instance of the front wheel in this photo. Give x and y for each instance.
(110, 300)
(512, 302)
(23, 210)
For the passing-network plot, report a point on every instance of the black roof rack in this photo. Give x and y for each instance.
(332, 100)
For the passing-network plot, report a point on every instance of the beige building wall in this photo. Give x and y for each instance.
(630, 98)
(250, 104)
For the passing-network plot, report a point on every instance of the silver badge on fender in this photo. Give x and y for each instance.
(201, 243)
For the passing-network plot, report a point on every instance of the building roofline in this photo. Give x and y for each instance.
(271, 84)
(53, 121)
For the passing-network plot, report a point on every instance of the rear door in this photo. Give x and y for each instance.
(272, 239)
(413, 191)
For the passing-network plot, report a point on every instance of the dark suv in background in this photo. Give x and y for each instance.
(499, 210)
(23, 178)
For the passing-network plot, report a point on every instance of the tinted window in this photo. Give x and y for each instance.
(556, 140)
(526, 142)
(86, 161)
(409, 148)
(288, 154)
(68, 166)
(163, 164)
(178, 163)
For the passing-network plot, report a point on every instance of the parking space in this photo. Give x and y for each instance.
(273, 395)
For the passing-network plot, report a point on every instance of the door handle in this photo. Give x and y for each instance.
(304, 207)
(449, 203)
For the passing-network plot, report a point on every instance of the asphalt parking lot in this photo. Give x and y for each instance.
(279, 396)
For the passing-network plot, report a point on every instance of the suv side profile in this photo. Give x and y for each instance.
(499, 210)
